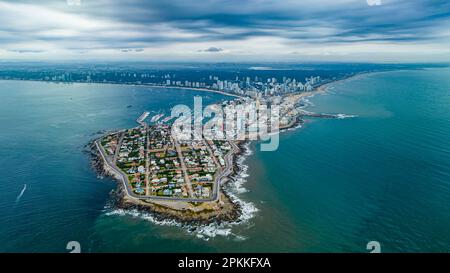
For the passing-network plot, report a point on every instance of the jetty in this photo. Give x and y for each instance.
(142, 117)
(156, 118)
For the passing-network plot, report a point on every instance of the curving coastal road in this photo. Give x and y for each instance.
(110, 162)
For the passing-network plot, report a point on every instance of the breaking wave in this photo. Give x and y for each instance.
(306, 102)
(241, 177)
(212, 230)
(344, 116)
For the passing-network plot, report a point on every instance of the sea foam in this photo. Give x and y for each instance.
(207, 231)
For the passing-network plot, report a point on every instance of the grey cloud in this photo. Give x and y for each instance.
(306, 21)
(25, 51)
(132, 50)
(211, 49)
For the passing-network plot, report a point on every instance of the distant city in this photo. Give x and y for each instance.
(244, 80)
(256, 86)
(184, 128)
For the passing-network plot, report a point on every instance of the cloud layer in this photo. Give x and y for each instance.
(395, 30)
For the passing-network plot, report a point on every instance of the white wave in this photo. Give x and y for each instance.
(144, 216)
(21, 193)
(204, 232)
(240, 238)
(240, 179)
(212, 230)
(247, 151)
(265, 68)
(248, 211)
(344, 116)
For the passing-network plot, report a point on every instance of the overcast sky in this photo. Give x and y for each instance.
(226, 30)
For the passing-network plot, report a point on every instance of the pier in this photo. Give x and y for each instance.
(142, 117)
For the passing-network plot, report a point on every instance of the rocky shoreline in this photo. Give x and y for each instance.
(226, 210)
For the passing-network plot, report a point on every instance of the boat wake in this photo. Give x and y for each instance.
(21, 193)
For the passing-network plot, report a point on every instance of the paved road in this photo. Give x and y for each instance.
(119, 144)
(226, 172)
(183, 168)
(119, 172)
(218, 166)
(128, 190)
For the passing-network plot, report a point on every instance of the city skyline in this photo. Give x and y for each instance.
(211, 31)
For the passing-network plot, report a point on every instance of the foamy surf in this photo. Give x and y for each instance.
(142, 215)
(306, 102)
(204, 232)
(241, 178)
(344, 116)
(213, 230)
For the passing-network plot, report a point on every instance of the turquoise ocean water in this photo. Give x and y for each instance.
(332, 186)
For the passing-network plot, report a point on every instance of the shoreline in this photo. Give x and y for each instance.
(230, 211)
(225, 209)
(300, 97)
(204, 230)
(206, 90)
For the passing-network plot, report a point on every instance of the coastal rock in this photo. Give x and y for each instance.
(220, 211)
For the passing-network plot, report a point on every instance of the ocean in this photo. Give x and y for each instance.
(332, 186)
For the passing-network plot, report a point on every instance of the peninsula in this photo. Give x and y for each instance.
(180, 179)
(184, 179)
